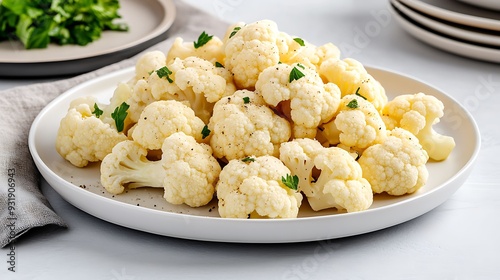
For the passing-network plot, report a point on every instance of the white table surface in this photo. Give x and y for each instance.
(457, 240)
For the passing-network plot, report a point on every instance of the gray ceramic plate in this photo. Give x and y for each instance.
(148, 20)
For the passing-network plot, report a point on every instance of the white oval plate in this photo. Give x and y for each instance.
(148, 20)
(451, 30)
(456, 12)
(447, 44)
(145, 209)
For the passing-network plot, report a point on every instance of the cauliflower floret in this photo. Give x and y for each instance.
(191, 171)
(305, 53)
(242, 125)
(357, 125)
(396, 166)
(254, 188)
(161, 119)
(311, 102)
(329, 177)
(251, 49)
(147, 63)
(194, 80)
(187, 170)
(83, 138)
(351, 76)
(418, 113)
(212, 51)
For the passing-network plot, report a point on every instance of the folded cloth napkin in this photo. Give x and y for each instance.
(22, 205)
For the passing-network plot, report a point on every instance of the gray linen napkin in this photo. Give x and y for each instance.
(22, 205)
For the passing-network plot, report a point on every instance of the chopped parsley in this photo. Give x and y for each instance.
(359, 94)
(353, 104)
(246, 99)
(235, 30)
(119, 115)
(291, 181)
(300, 41)
(205, 132)
(295, 74)
(97, 111)
(248, 159)
(218, 64)
(202, 40)
(164, 72)
(36, 24)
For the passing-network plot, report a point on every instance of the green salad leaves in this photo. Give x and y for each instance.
(36, 23)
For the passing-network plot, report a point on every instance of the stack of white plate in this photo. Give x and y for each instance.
(469, 28)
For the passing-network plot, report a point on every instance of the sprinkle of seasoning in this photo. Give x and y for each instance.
(218, 64)
(246, 99)
(202, 40)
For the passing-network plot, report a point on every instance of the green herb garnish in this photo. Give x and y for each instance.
(164, 72)
(38, 23)
(295, 74)
(359, 94)
(97, 111)
(248, 159)
(235, 30)
(291, 181)
(205, 132)
(202, 40)
(353, 104)
(218, 64)
(246, 99)
(300, 41)
(119, 115)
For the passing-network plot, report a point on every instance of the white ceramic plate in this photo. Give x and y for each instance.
(145, 210)
(446, 43)
(148, 20)
(453, 11)
(473, 36)
(487, 4)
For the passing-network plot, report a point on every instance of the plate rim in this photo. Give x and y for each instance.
(449, 30)
(456, 17)
(184, 219)
(459, 48)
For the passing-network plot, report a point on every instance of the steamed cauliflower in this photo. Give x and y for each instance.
(418, 113)
(337, 182)
(251, 49)
(89, 131)
(254, 188)
(83, 138)
(187, 170)
(356, 126)
(350, 75)
(193, 80)
(212, 51)
(242, 125)
(305, 53)
(396, 166)
(310, 101)
(161, 119)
